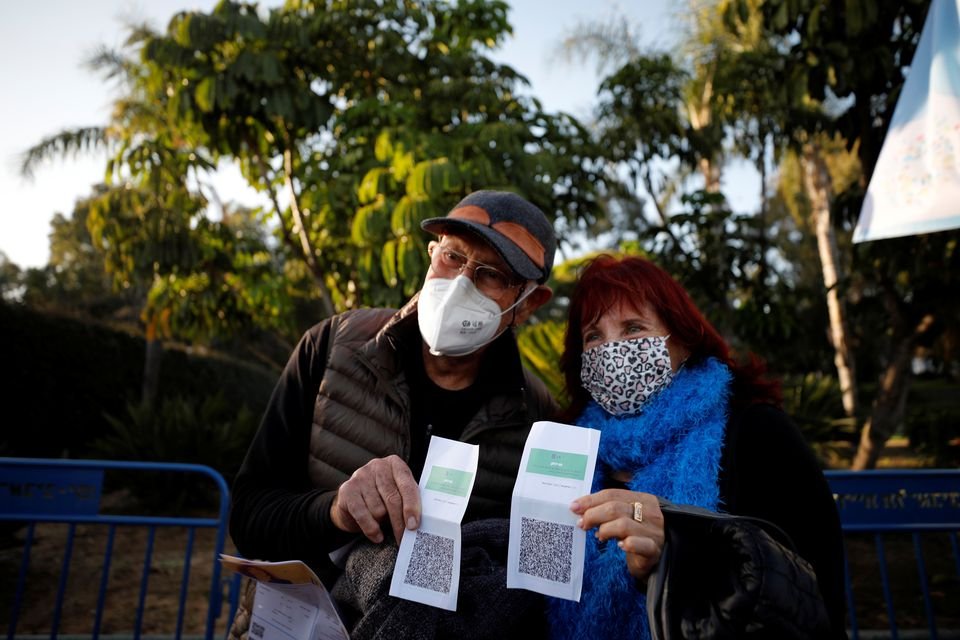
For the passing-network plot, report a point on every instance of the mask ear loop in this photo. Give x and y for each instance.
(516, 305)
(513, 307)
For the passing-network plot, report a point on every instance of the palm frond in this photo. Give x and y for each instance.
(69, 142)
(612, 43)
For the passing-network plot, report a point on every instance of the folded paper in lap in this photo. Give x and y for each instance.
(290, 602)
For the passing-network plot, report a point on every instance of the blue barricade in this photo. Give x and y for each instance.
(881, 508)
(908, 517)
(36, 492)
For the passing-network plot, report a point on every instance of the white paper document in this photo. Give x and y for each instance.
(428, 563)
(290, 604)
(546, 547)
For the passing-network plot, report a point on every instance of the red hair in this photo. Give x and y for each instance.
(607, 282)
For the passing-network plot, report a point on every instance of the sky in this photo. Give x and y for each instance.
(46, 89)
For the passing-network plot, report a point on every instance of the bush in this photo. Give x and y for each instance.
(65, 376)
(206, 431)
(814, 403)
(932, 421)
(62, 375)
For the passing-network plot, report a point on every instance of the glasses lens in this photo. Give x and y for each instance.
(490, 281)
(446, 262)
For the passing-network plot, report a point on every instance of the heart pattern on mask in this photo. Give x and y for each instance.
(622, 375)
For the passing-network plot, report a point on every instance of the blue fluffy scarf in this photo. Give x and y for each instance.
(673, 448)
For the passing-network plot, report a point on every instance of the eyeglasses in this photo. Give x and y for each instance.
(492, 282)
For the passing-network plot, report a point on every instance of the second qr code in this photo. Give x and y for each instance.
(546, 549)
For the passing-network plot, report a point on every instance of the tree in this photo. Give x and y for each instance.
(152, 227)
(362, 118)
(763, 101)
(853, 58)
(10, 279)
(662, 119)
(74, 278)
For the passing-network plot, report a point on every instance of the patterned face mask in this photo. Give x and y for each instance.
(622, 375)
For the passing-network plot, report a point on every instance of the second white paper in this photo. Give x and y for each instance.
(546, 546)
(428, 563)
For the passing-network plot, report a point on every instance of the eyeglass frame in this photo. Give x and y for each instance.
(516, 282)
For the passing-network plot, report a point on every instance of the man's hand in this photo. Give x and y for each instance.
(382, 488)
(612, 511)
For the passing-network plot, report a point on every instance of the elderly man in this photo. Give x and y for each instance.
(345, 435)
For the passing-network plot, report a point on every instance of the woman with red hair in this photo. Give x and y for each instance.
(681, 420)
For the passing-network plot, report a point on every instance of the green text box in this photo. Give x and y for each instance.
(557, 463)
(452, 481)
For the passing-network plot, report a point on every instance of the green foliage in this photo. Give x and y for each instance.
(813, 401)
(640, 111)
(11, 279)
(540, 347)
(357, 120)
(484, 151)
(369, 117)
(208, 431)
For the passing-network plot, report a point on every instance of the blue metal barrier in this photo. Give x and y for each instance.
(877, 504)
(906, 504)
(36, 491)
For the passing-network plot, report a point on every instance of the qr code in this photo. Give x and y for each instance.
(256, 629)
(431, 563)
(546, 549)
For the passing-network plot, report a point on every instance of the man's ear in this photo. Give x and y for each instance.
(537, 298)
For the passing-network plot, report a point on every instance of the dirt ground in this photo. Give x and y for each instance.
(161, 603)
(166, 572)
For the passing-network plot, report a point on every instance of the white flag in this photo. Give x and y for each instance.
(915, 187)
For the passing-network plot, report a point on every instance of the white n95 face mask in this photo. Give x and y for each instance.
(455, 318)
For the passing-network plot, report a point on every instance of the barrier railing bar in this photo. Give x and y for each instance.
(64, 574)
(848, 587)
(21, 581)
(216, 595)
(144, 581)
(104, 579)
(956, 550)
(185, 580)
(885, 582)
(924, 589)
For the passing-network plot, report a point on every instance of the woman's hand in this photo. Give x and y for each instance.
(638, 530)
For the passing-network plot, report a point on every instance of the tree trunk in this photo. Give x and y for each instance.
(887, 412)
(301, 230)
(306, 248)
(700, 114)
(891, 401)
(817, 183)
(710, 171)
